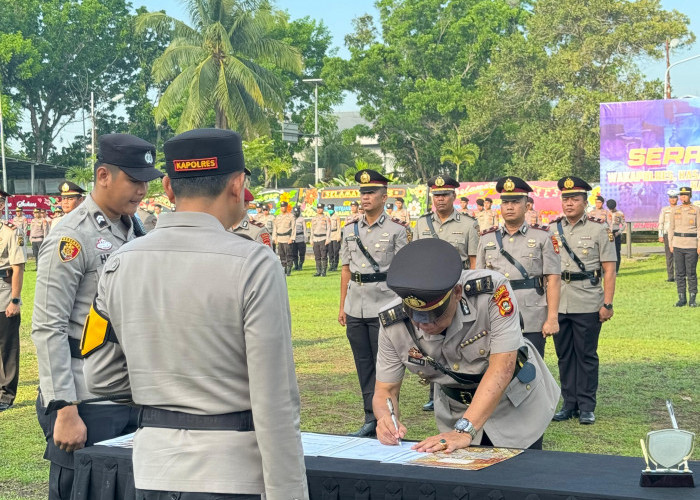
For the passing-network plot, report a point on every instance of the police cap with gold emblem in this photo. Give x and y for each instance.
(423, 274)
(353, 203)
(442, 184)
(572, 186)
(134, 156)
(320, 206)
(204, 152)
(370, 180)
(686, 190)
(512, 187)
(71, 190)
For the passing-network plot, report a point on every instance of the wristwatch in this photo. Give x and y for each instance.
(463, 425)
(608, 306)
(15, 301)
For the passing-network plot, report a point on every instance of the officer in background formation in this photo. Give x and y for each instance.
(320, 239)
(13, 256)
(401, 213)
(72, 195)
(354, 213)
(336, 234)
(460, 330)
(148, 220)
(258, 211)
(20, 222)
(300, 238)
(72, 259)
(587, 254)
(487, 217)
(617, 225)
(368, 247)
(229, 427)
(528, 256)
(38, 230)
(251, 228)
(531, 215)
(598, 211)
(664, 224)
(464, 205)
(283, 236)
(685, 246)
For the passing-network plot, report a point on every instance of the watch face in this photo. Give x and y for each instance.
(462, 424)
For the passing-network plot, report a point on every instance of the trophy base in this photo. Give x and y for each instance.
(666, 480)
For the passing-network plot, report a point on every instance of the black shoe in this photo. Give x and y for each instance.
(671, 280)
(565, 414)
(367, 430)
(682, 301)
(429, 406)
(5, 406)
(586, 418)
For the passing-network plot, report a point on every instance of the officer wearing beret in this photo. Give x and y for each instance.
(400, 212)
(598, 211)
(617, 226)
(320, 239)
(464, 205)
(354, 213)
(684, 243)
(587, 254)
(300, 239)
(283, 236)
(486, 218)
(250, 228)
(664, 224)
(209, 355)
(71, 261)
(525, 254)
(460, 330)
(531, 215)
(336, 234)
(13, 256)
(367, 249)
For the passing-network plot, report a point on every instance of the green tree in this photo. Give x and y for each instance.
(217, 64)
(458, 153)
(82, 176)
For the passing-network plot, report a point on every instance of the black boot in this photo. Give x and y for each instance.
(681, 300)
(318, 269)
(323, 269)
(289, 269)
(691, 302)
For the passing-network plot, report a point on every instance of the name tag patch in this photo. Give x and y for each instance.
(415, 357)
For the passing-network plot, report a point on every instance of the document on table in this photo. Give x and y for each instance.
(472, 458)
(315, 444)
(355, 448)
(125, 441)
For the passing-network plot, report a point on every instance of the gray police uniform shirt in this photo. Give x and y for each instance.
(533, 248)
(593, 243)
(254, 230)
(459, 230)
(13, 252)
(336, 229)
(300, 230)
(480, 328)
(382, 240)
(71, 261)
(223, 347)
(321, 229)
(147, 219)
(664, 220)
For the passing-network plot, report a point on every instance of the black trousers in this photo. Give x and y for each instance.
(298, 253)
(36, 246)
(320, 254)
(176, 495)
(669, 259)
(9, 357)
(618, 248)
(537, 340)
(486, 441)
(577, 349)
(285, 253)
(686, 263)
(334, 252)
(102, 422)
(363, 334)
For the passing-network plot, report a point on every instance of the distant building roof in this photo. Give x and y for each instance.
(348, 119)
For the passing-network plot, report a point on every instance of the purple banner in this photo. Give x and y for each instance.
(647, 148)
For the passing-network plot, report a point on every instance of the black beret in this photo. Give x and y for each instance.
(259, 205)
(442, 184)
(599, 198)
(370, 180)
(512, 187)
(266, 206)
(464, 199)
(134, 156)
(488, 199)
(480, 202)
(571, 186)
(70, 189)
(423, 273)
(400, 199)
(284, 204)
(204, 152)
(331, 206)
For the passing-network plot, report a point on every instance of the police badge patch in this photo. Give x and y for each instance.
(503, 301)
(20, 241)
(68, 249)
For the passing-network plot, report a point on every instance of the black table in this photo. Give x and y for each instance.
(104, 473)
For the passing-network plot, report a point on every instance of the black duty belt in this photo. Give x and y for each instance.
(594, 276)
(368, 278)
(319, 235)
(685, 235)
(536, 283)
(241, 421)
(285, 234)
(6, 273)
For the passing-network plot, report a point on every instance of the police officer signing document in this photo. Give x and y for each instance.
(72, 258)
(460, 329)
(211, 364)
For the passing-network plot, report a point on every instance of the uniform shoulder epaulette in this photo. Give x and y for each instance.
(479, 285)
(427, 214)
(561, 217)
(9, 224)
(392, 315)
(596, 219)
(256, 223)
(540, 227)
(489, 230)
(399, 221)
(464, 214)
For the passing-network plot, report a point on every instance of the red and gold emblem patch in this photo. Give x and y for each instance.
(265, 237)
(555, 242)
(68, 249)
(503, 301)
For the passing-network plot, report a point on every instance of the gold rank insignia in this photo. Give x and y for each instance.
(611, 237)
(531, 243)
(568, 183)
(414, 302)
(439, 182)
(509, 185)
(20, 241)
(65, 187)
(364, 178)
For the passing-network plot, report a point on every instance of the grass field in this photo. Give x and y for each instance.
(648, 352)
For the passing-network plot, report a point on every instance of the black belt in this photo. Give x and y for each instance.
(685, 235)
(285, 234)
(6, 273)
(594, 276)
(368, 278)
(74, 344)
(241, 421)
(536, 283)
(319, 235)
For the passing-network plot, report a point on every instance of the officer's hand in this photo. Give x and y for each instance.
(12, 310)
(550, 327)
(386, 432)
(69, 432)
(446, 442)
(605, 314)
(661, 240)
(342, 317)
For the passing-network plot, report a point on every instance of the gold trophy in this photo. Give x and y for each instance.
(669, 451)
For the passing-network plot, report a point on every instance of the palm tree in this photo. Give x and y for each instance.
(276, 168)
(218, 64)
(459, 154)
(82, 176)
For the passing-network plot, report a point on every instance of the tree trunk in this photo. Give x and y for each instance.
(221, 121)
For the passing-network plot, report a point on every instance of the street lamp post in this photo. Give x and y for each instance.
(316, 82)
(667, 76)
(2, 154)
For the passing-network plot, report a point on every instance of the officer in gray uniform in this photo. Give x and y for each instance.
(336, 232)
(320, 238)
(13, 256)
(212, 367)
(368, 247)
(72, 258)
(283, 236)
(250, 228)
(460, 330)
(300, 238)
(664, 224)
(528, 255)
(684, 243)
(587, 250)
